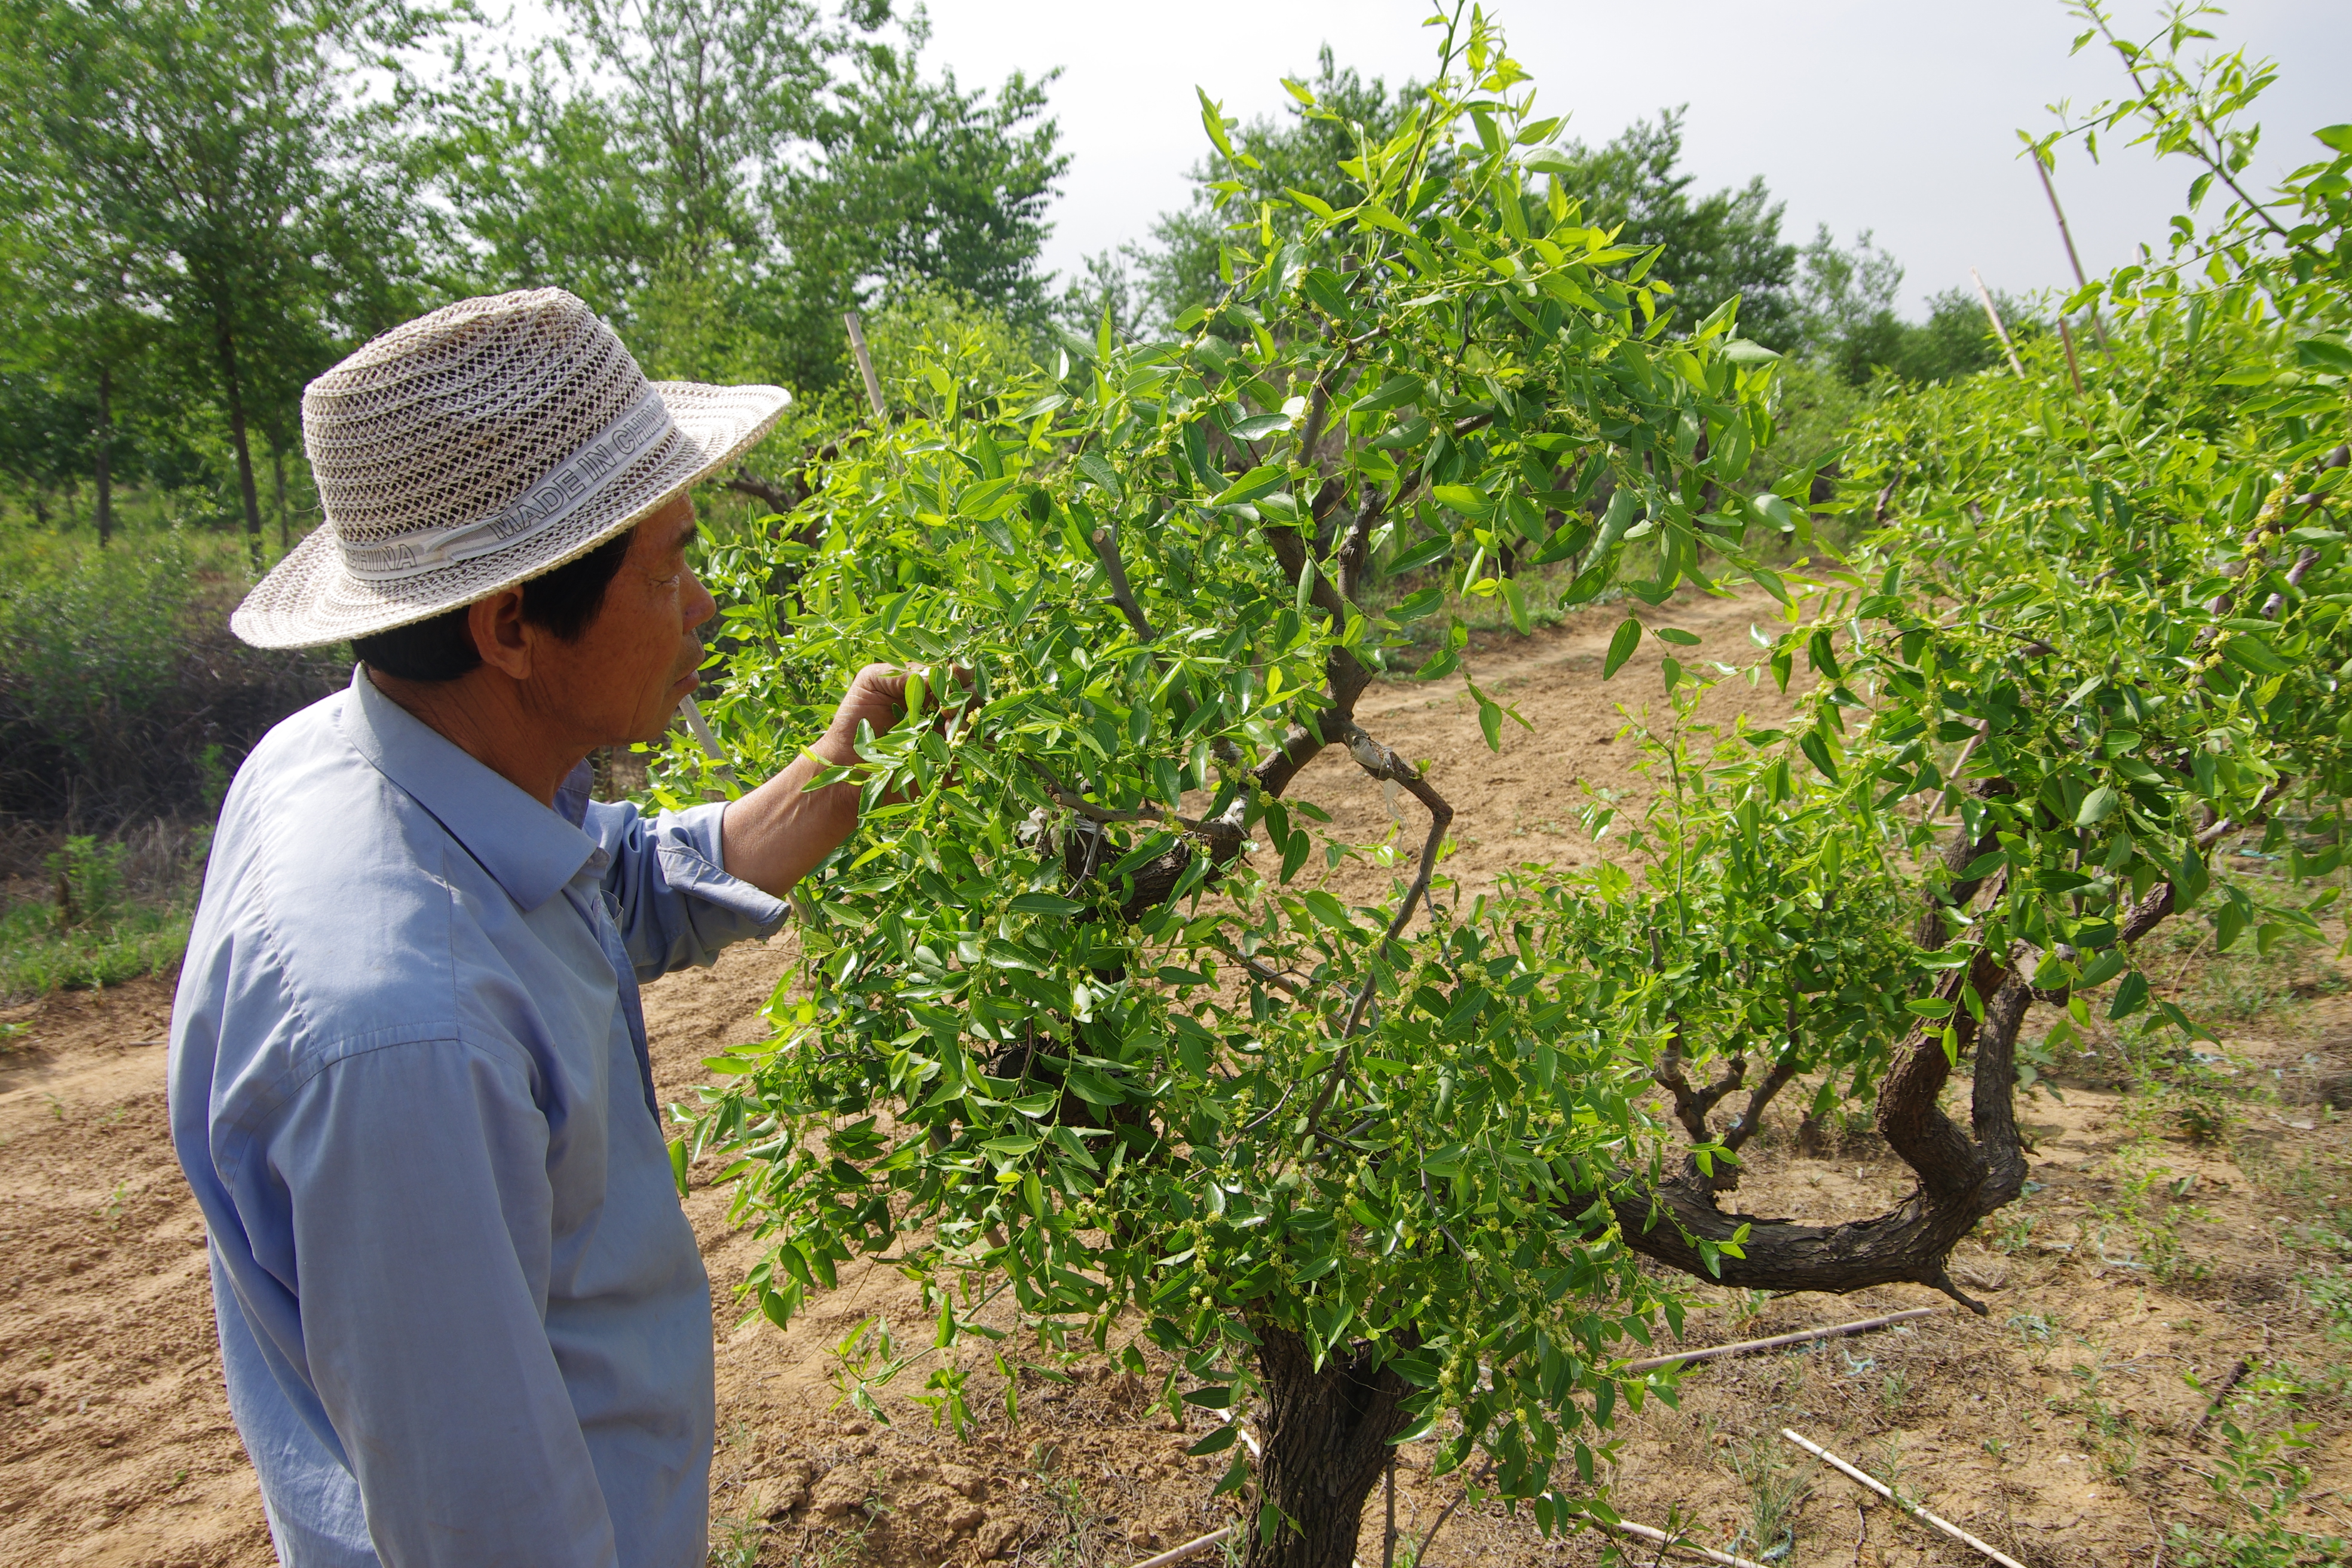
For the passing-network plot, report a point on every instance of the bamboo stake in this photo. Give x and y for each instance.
(1913, 1508)
(1190, 1549)
(1998, 330)
(2067, 234)
(864, 363)
(1660, 1538)
(1799, 1337)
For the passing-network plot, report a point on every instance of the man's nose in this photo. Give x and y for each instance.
(699, 606)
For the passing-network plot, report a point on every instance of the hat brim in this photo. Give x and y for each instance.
(310, 600)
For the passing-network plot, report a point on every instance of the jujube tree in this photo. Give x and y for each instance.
(1081, 1025)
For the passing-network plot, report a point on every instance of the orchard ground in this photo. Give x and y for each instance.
(2174, 1228)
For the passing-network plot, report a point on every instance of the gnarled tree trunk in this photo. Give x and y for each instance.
(1327, 1441)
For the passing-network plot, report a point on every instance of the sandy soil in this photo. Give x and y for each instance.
(2060, 1426)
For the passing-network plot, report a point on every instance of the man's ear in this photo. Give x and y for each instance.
(500, 634)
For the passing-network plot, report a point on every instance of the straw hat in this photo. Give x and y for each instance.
(476, 447)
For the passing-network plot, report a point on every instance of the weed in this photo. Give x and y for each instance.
(1894, 1391)
(2032, 1328)
(2151, 1217)
(110, 1211)
(113, 909)
(2330, 1290)
(1081, 1537)
(735, 1541)
(2258, 1482)
(1774, 1489)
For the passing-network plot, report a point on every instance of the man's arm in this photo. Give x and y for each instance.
(417, 1175)
(776, 835)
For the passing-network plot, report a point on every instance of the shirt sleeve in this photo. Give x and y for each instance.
(676, 903)
(416, 1177)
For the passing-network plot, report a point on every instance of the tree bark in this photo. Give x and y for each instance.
(225, 341)
(1327, 1442)
(285, 518)
(105, 439)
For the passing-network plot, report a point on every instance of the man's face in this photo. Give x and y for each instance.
(623, 678)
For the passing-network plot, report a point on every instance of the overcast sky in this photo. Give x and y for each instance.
(1897, 116)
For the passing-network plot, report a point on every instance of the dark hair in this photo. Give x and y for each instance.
(442, 649)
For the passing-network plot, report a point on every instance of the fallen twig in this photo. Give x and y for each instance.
(1190, 1548)
(1913, 1508)
(2221, 1395)
(1799, 1337)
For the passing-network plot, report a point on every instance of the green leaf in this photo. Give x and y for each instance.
(1490, 718)
(1264, 479)
(1259, 426)
(2130, 997)
(1092, 465)
(1327, 910)
(2251, 653)
(1464, 500)
(1413, 607)
(1421, 555)
(2338, 137)
(1216, 1442)
(1817, 752)
(1620, 647)
(2097, 807)
(1046, 904)
(1212, 121)
(1515, 597)
(1394, 393)
(1677, 636)
(2324, 354)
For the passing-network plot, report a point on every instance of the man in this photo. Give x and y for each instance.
(462, 1317)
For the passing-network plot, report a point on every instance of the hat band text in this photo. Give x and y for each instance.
(568, 487)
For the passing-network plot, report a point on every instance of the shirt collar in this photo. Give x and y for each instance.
(531, 851)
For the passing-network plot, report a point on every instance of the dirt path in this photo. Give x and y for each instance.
(2058, 1426)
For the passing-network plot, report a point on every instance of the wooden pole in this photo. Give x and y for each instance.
(1801, 1337)
(1660, 1538)
(1998, 330)
(2067, 234)
(1913, 1508)
(864, 364)
(1190, 1549)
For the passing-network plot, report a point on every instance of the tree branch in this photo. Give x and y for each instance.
(1106, 543)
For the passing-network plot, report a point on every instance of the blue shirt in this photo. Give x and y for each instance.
(462, 1317)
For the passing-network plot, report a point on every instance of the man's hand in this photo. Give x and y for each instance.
(776, 835)
(876, 696)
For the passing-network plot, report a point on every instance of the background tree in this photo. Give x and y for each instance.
(203, 149)
(723, 178)
(1717, 246)
(1845, 319)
